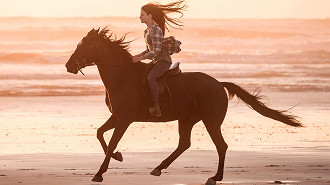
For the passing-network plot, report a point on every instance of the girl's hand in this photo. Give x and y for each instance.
(137, 58)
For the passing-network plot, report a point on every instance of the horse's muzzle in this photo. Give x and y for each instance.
(71, 69)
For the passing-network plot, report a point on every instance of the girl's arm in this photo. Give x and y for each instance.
(143, 52)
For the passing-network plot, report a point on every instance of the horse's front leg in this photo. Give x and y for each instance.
(121, 127)
(109, 124)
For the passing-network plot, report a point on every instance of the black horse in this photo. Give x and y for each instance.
(194, 97)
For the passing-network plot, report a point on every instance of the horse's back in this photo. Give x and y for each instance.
(203, 83)
(210, 95)
(197, 85)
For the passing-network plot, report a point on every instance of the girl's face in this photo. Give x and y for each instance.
(144, 17)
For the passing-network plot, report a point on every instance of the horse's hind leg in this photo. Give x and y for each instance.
(109, 124)
(185, 127)
(213, 128)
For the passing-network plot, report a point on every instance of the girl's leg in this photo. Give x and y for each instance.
(157, 71)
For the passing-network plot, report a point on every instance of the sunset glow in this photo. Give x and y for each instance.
(251, 69)
(197, 8)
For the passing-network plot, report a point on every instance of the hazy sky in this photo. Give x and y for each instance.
(197, 8)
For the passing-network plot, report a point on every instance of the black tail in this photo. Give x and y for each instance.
(253, 102)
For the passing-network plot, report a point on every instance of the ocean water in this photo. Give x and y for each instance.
(45, 109)
(276, 55)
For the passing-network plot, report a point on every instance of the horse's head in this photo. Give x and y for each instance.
(99, 48)
(86, 54)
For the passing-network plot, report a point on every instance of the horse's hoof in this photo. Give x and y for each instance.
(210, 181)
(119, 157)
(97, 179)
(156, 172)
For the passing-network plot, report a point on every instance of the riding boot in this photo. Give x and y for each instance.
(155, 110)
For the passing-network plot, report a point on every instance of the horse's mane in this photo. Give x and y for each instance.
(120, 46)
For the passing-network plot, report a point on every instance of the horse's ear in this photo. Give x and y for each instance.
(90, 32)
(98, 30)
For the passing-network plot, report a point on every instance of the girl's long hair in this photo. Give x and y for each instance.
(159, 13)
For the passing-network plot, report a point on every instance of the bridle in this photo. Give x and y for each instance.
(81, 61)
(82, 58)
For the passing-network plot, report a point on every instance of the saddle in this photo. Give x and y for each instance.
(173, 71)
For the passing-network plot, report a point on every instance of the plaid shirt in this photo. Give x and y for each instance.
(156, 36)
(157, 41)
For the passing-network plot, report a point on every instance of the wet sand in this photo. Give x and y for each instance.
(300, 166)
(52, 140)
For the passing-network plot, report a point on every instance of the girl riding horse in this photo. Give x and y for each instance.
(154, 15)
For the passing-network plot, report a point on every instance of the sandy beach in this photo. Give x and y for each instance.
(54, 142)
(192, 168)
(49, 118)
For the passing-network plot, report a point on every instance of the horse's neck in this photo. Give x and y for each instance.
(112, 77)
(116, 76)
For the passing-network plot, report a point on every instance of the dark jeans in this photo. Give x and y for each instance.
(160, 68)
